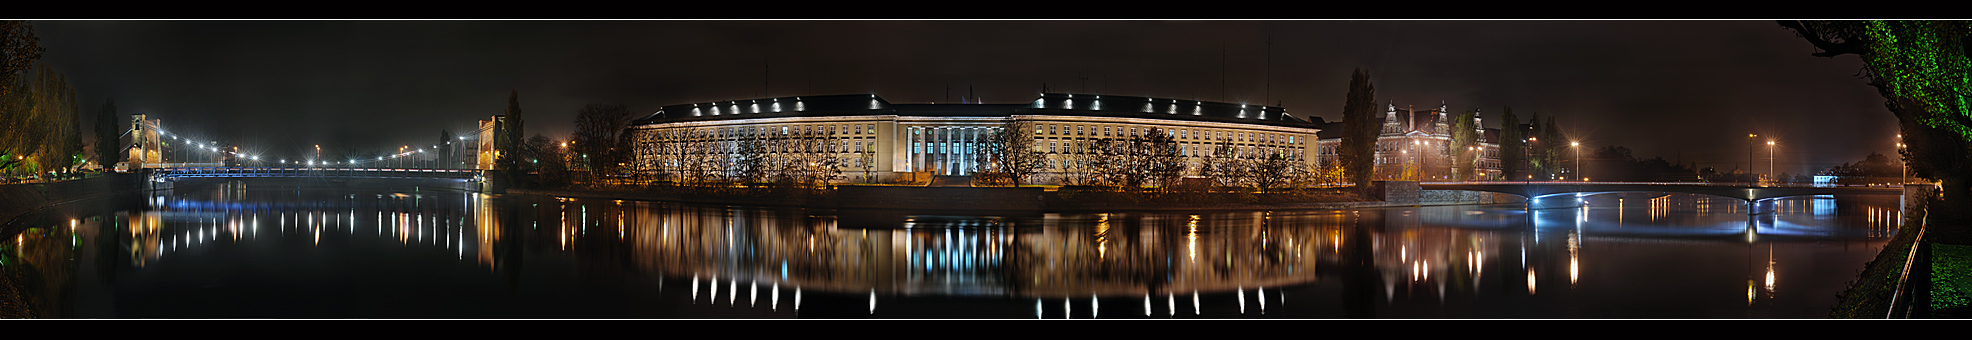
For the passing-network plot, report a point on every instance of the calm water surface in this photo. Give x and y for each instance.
(246, 250)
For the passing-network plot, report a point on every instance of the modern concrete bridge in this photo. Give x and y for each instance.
(1537, 192)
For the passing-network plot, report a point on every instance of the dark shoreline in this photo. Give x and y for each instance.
(1047, 202)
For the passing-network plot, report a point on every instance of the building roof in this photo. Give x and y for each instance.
(1047, 104)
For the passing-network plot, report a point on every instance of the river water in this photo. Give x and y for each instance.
(250, 250)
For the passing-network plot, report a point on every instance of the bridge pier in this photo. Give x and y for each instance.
(1555, 202)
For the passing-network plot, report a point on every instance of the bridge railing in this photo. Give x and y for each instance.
(1722, 184)
(309, 172)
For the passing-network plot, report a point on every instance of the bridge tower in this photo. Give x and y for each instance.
(145, 147)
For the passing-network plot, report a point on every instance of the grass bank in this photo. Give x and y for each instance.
(1868, 297)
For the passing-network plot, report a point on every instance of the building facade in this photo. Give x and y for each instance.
(1417, 145)
(876, 141)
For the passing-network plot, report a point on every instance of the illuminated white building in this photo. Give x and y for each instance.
(890, 141)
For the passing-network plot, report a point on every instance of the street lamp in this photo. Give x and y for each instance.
(1578, 160)
(1749, 153)
(1770, 162)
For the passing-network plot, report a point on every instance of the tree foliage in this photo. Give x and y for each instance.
(1513, 146)
(19, 49)
(544, 156)
(509, 145)
(1465, 137)
(447, 155)
(1922, 70)
(43, 132)
(108, 145)
(1360, 129)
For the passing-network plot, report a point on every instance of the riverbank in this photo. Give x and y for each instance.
(18, 200)
(1031, 198)
(1950, 279)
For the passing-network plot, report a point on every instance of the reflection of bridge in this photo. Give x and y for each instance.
(1751, 193)
(237, 172)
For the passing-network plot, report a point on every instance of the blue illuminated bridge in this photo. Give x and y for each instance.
(1545, 194)
(245, 172)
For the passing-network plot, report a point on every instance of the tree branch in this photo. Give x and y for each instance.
(1849, 45)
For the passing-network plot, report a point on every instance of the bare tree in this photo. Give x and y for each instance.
(1012, 151)
(598, 142)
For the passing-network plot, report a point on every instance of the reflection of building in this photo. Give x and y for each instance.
(869, 134)
(1417, 145)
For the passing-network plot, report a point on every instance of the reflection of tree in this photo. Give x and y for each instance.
(43, 260)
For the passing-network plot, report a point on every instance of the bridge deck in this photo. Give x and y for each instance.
(1744, 191)
(313, 172)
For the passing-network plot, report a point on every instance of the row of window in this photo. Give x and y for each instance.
(1047, 130)
(755, 131)
(733, 107)
(1171, 107)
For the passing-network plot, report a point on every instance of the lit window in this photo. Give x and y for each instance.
(777, 105)
(1097, 105)
(695, 112)
(756, 106)
(715, 109)
(1196, 108)
(1068, 104)
(873, 104)
(1037, 102)
(798, 106)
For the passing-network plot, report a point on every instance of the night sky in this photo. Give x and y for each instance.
(1687, 91)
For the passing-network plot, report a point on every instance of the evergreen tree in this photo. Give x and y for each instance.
(108, 145)
(1465, 137)
(1554, 144)
(445, 152)
(1513, 147)
(509, 143)
(1360, 128)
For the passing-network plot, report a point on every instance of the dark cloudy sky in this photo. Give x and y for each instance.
(1683, 90)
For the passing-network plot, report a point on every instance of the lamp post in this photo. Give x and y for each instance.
(1749, 154)
(1578, 160)
(1770, 163)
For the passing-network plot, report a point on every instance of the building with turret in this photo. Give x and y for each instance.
(1417, 145)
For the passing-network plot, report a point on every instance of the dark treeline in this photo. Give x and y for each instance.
(1616, 163)
(40, 128)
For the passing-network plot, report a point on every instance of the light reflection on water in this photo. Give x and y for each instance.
(283, 252)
